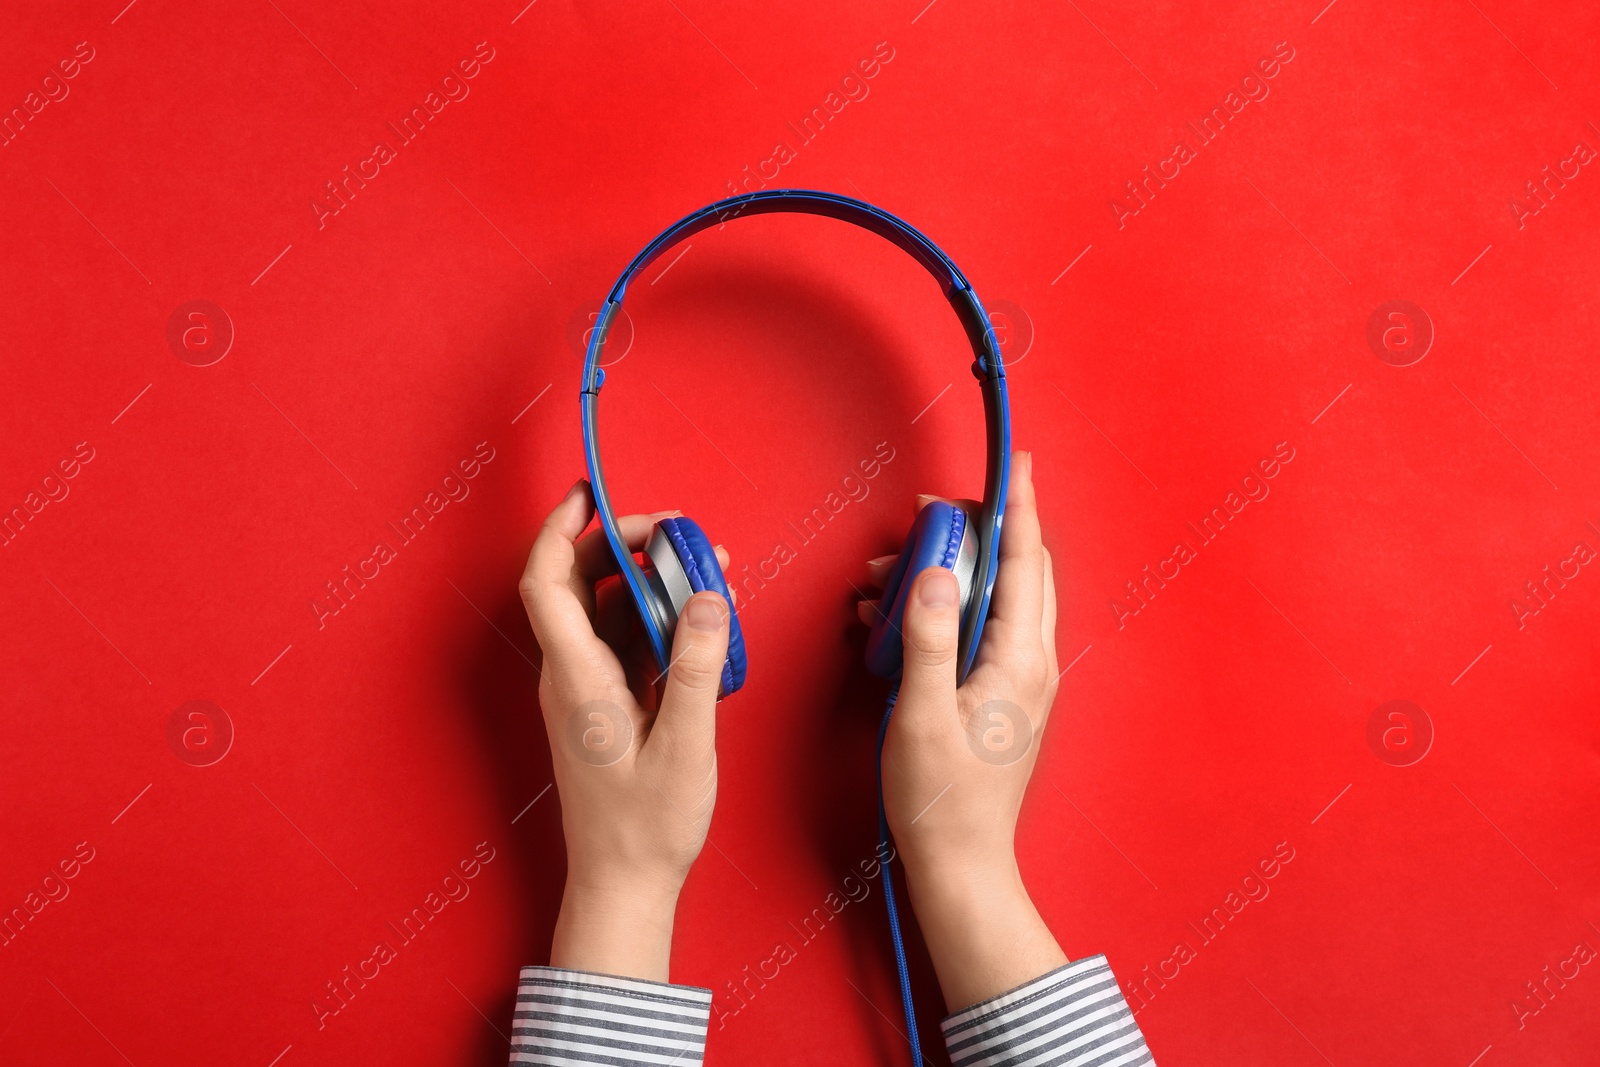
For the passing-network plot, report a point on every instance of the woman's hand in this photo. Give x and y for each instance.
(637, 775)
(957, 760)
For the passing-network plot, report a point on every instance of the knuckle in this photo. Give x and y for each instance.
(930, 649)
(696, 668)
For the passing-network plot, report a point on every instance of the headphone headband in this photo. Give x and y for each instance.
(988, 367)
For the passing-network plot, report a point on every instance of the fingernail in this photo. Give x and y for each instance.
(938, 590)
(575, 487)
(703, 614)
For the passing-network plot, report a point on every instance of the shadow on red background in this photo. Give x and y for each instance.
(1238, 708)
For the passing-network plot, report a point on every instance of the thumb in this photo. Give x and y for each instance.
(688, 712)
(931, 629)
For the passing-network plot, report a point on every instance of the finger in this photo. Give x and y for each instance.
(724, 560)
(560, 622)
(868, 612)
(878, 569)
(929, 631)
(972, 507)
(1047, 627)
(594, 558)
(1017, 607)
(688, 716)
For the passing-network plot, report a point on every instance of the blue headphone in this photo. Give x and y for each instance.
(679, 559)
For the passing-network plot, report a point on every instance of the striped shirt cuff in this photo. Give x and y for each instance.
(1072, 1017)
(573, 1017)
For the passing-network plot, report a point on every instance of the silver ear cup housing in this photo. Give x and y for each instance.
(664, 572)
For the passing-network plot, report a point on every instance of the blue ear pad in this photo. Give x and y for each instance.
(934, 541)
(700, 564)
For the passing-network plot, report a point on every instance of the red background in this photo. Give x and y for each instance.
(372, 754)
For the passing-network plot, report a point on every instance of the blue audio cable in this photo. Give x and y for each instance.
(888, 892)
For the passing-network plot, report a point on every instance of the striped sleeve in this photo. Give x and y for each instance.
(1074, 1016)
(573, 1017)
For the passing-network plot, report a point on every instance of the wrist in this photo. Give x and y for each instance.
(615, 923)
(983, 933)
(965, 892)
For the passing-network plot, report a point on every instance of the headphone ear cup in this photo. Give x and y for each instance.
(697, 559)
(941, 537)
